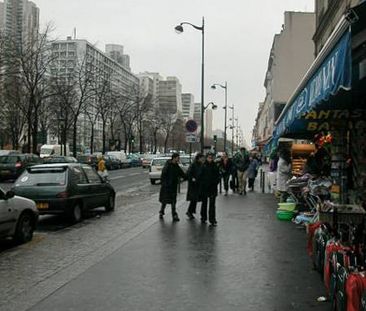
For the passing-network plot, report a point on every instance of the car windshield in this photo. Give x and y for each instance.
(42, 177)
(8, 159)
(159, 162)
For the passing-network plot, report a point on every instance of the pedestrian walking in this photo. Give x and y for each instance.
(252, 171)
(170, 178)
(225, 167)
(283, 172)
(102, 169)
(241, 160)
(194, 176)
(210, 180)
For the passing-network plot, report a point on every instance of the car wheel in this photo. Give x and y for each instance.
(152, 181)
(76, 213)
(110, 204)
(25, 229)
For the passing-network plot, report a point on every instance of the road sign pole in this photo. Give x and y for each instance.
(190, 152)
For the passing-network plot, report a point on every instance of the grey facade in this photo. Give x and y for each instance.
(170, 95)
(291, 55)
(20, 20)
(187, 105)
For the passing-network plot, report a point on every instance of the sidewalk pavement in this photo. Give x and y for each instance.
(250, 261)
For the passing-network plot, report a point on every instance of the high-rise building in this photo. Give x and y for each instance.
(187, 105)
(155, 78)
(170, 95)
(21, 20)
(115, 51)
(197, 113)
(2, 6)
(70, 54)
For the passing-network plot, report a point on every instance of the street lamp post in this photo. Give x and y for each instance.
(232, 129)
(225, 107)
(179, 29)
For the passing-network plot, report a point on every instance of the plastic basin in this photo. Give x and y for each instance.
(287, 206)
(285, 215)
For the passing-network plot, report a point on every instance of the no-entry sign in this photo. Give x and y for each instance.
(191, 126)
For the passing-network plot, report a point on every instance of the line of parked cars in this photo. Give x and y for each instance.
(49, 185)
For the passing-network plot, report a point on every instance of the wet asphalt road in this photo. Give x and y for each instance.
(250, 261)
(130, 184)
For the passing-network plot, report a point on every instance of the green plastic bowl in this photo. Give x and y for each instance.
(285, 215)
(290, 207)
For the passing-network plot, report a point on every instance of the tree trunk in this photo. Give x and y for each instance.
(92, 139)
(74, 136)
(103, 136)
(166, 144)
(35, 133)
(155, 141)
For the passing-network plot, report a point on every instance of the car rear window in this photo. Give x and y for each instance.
(42, 177)
(159, 162)
(9, 159)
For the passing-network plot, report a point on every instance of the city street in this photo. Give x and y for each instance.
(131, 185)
(129, 260)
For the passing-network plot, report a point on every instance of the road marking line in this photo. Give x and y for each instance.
(133, 174)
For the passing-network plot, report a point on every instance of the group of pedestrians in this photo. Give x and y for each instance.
(242, 169)
(203, 177)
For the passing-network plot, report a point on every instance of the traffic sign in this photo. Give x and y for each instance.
(191, 126)
(191, 138)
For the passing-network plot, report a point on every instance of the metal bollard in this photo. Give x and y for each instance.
(263, 173)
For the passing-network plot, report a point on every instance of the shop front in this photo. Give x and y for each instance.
(328, 110)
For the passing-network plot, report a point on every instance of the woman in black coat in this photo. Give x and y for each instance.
(210, 180)
(194, 175)
(170, 178)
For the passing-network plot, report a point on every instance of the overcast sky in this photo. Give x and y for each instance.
(239, 36)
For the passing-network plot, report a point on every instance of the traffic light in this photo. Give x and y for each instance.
(215, 138)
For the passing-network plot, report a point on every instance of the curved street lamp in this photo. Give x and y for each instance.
(214, 86)
(179, 29)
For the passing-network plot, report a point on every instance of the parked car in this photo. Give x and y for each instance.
(7, 152)
(65, 188)
(146, 160)
(51, 150)
(156, 167)
(121, 155)
(18, 217)
(59, 159)
(90, 159)
(185, 162)
(111, 162)
(12, 165)
(134, 160)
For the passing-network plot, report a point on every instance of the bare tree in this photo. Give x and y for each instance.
(167, 120)
(30, 63)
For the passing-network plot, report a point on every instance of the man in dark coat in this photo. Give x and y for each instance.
(226, 168)
(194, 175)
(210, 180)
(170, 178)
